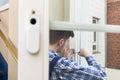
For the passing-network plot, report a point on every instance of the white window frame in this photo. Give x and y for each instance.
(62, 25)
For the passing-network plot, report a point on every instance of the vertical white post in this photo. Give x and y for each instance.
(74, 43)
(33, 67)
(76, 15)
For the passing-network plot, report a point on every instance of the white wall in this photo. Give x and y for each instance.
(97, 8)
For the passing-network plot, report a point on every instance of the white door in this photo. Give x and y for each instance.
(33, 26)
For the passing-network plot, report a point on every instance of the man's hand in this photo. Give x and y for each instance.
(84, 52)
(68, 53)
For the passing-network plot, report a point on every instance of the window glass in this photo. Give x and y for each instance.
(3, 2)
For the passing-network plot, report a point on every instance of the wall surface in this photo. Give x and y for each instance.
(113, 39)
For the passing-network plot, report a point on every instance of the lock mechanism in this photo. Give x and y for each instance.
(33, 32)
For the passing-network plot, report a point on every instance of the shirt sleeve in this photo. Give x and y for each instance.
(71, 69)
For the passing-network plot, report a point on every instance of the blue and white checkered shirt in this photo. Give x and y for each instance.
(66, 69)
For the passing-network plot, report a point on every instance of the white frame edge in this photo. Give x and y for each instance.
(59, 25)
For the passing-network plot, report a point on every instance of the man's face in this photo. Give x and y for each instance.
(64, 45)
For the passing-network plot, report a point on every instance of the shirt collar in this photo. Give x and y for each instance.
(52, 52)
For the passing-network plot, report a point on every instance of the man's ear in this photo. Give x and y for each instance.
(61, 42)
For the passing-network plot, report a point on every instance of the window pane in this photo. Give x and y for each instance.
(3, 2)
(84, 39)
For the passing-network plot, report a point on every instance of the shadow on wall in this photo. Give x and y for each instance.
(3, 68)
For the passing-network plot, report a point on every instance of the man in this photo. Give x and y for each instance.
(62, 68)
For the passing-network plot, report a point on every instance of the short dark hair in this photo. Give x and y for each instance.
(56, 35)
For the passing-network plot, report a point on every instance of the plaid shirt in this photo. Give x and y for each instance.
(66, 69)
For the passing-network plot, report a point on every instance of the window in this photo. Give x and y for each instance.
(4, 4)
(95, 35)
